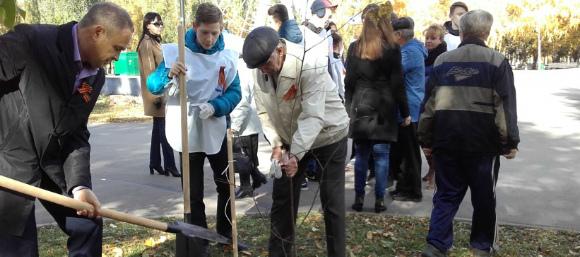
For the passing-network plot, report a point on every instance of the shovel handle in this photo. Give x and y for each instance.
(46, 195)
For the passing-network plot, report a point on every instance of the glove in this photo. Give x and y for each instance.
(206, 110)
(275, 169)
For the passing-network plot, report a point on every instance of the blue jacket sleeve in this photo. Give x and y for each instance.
(158, 79)
(226, 103)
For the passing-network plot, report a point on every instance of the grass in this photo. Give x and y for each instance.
(368, 235)
(117, 109)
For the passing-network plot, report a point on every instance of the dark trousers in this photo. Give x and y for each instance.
(455, 173)
(250, 146)
(406, 161)
(159, 140)
(84, 235)
(218, 163)
(286, 192)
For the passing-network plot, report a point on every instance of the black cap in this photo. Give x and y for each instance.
(403, 23)
(259, 45)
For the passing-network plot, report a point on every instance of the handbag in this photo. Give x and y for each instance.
(242, 162)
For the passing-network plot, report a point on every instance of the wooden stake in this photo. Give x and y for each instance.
(184, 130)
(232, 182)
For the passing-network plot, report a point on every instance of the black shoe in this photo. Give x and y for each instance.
(432, 251)
(259, 180)
(173, 171)
(244, 192)
(380, 206)
(403, 197)
(358, 203)
(158, 169)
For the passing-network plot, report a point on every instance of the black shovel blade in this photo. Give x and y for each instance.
(194, 231)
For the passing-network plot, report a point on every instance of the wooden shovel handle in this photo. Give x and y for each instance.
(46, 195)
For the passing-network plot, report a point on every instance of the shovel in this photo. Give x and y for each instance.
(176, 227)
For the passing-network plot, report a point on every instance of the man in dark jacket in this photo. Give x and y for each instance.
(50, 78)
(469, 119)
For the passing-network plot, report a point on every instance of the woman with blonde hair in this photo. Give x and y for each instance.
(374, 89)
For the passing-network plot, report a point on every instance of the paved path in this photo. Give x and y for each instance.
(541, 187)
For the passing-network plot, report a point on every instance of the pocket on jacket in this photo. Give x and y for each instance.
(363, 126)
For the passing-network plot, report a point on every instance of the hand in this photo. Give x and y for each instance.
(511, 154)
(86, 195)
(427, 152)
(406, 121)
(290, 164)
(177, 69)
(276, 154)
(206, 110)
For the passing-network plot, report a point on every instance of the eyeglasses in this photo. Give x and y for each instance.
(158, 24)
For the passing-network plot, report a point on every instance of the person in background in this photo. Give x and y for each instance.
(50, 79)
(332, 27)
(406, 153)
(246, 126)
(149, 49)
(321, 11)
(287, 29)
(469, 119)
(452, 25)
(213, 88)
(374, 90)
(435, 46)
(337, 64)
(299, 115)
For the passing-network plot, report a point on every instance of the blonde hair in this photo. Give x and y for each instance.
(377, 31)
(435, 29)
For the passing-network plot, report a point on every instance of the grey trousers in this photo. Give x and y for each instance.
(286, 192)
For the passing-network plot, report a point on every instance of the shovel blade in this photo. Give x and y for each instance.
(194, 231)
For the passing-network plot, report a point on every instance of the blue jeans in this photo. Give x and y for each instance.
(380, 152)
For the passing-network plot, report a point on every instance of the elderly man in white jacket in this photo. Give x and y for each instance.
(302, 116)
(246, 125)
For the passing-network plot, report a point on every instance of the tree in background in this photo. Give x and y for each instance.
(515, 30)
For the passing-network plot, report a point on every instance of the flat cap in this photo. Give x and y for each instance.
(321, 4)
(259, 45)
(403, 23)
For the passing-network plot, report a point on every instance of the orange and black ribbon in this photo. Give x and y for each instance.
(222, 78)
(85, 91)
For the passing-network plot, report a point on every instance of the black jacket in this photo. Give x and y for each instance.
(43, 124)
(470, 102)
(373, 90)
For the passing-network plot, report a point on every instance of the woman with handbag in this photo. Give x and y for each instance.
(149, 49)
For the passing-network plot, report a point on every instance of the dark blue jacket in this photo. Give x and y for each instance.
(290, 31)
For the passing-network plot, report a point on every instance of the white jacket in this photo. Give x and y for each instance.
(244, 117)
(311, 117)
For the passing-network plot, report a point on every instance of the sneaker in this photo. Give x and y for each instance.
(432, 251)
(406, 197)
(304, 185)
(244, 193)
(480, 253)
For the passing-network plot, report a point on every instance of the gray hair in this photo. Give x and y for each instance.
(476, 23)
(406, 34)
(109, 15)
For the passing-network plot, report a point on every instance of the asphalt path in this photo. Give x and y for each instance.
(541, 187)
